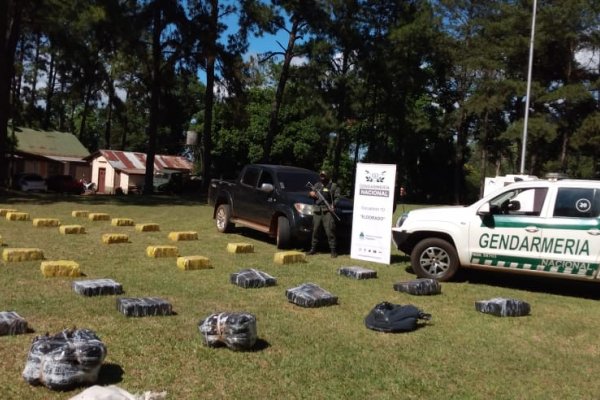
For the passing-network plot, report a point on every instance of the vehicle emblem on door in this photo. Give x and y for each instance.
(583, 205)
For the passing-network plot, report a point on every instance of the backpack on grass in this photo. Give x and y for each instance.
(388, 317)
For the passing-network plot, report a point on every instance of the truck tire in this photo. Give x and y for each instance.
(223, 218)
(283, 233)
(435, 259)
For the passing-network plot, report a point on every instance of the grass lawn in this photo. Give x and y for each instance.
(320, 353)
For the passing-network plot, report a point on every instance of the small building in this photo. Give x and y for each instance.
(115, 171)
(48, 153)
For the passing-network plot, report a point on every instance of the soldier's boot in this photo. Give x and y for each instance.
(311, 252)
(333, 253)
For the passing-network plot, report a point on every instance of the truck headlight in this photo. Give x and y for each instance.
(401, 220)
(304, 209)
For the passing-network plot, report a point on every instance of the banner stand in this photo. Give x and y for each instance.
(373, 212)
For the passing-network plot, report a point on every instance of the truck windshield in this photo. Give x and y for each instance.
(296, 181)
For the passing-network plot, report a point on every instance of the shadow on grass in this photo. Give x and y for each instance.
(323, 247)
(20, 198)
(260, 345)
(110, 374)
(400, 258)
(252, 234)
(530, 283)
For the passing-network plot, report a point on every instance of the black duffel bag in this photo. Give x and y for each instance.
(388, 317)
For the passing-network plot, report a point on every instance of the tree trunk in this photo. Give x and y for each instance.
(125, 129)
(154, 103)
(84, 113)
(276, 106)
(17, 80)
(108, 127)
(341, 133)
(62, 117)
(459, 159)
(10, 21)
(563, 152)
(34, 75)
(484, 153)
(206, 159)
(49, 92)
(109, 107)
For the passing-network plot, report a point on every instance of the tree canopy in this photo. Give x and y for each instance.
(435, 87)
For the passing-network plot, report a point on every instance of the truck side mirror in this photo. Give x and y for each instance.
(267, 188)
(514, 205)
(484, 210)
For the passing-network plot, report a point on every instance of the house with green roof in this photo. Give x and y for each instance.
(49, 153)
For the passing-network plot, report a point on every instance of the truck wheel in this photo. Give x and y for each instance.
(283, 233)
(223, 217)
(434, 258)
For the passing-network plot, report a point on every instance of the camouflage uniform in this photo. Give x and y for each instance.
(322, 216)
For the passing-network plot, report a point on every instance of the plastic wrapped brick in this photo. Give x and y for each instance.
(419, 287)
(97, 287)
(104, 393)
(143, 306)
(236, 330)
(310, 295)
(252, 278)
(388, 317)
(68, 359)
(357, 272)
(12, 323)
(113, 392)
(502, 307)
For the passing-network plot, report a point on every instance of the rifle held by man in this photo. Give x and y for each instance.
(323, 199)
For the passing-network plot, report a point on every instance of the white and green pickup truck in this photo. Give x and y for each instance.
(537, 227)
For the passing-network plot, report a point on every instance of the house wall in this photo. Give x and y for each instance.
(109, 177)
(34, 166)
(78, 171)
(113, 179)
(46, 168)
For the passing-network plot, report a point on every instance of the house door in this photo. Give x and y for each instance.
(101, 179)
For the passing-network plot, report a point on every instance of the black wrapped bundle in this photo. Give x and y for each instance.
(357, 272)
(143, 306)
(419, 287)
(12, 323)
(252, 278)
(68, 359)
(503, 307)
(387, 317)
(97, 287)
(310, 295)
(237, 331)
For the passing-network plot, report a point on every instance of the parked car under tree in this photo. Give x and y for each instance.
(64, 184)
(29, 182)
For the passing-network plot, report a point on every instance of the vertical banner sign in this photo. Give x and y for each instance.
(373, 212)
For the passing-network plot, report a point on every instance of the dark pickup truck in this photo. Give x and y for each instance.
(273, 199)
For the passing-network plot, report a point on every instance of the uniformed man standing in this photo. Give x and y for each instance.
(323, 216)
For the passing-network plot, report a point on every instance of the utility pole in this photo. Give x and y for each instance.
(524, 144)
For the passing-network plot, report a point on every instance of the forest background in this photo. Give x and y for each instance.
(436, 87)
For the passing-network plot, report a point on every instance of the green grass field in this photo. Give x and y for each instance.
(320, 353)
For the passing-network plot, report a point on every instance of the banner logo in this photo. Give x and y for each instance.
(377, 177)
(375, 185)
